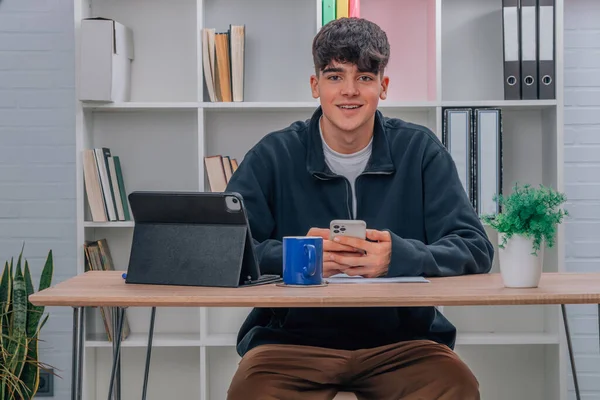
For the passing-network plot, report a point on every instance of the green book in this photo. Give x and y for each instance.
(328, 13)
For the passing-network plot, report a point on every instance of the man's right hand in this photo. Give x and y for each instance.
(331, 267)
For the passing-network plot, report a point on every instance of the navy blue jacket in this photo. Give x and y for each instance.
(410, 187)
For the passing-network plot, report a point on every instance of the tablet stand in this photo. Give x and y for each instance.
(192, 255)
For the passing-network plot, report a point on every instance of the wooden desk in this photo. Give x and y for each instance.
(100, 288)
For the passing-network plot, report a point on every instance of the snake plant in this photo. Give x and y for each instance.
(21, 325)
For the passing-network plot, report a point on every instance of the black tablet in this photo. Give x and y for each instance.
(192, 239)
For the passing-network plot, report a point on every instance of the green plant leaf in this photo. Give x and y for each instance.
(5, 285)
(18, 348)
(5, 299)
(29, 290)
(45, 282)
(530, 212)
(46, 277)
(31, 371)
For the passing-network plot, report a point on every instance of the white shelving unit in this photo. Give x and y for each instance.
(162, 135)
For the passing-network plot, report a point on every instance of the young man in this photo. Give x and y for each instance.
(348, 161)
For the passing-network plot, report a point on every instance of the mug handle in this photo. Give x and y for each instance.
(311, 269)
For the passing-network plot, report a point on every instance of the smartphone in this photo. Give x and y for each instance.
(348, 227)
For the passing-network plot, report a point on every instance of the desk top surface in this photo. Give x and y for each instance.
(108, 288)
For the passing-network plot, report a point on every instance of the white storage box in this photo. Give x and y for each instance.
(106, 56)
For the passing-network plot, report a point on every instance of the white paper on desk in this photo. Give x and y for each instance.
(344, 278)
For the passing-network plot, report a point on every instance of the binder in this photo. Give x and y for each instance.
(487, 139)
(546, 70)
(457, 138)
(529, 82)
(512, 62)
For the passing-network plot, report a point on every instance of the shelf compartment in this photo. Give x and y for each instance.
(151, 149)
(472, 50)
(223, 363)
(281, 38)
(170, 369)
(520, 372)
(411, 30)
(164, 36)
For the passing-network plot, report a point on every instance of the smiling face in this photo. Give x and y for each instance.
(349, 100)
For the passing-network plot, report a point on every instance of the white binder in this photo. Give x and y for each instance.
(488, 159)
(457, 138)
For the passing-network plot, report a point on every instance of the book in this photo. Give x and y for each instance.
(219, 170)
(223, 63)
(99, 258)
(104, 185)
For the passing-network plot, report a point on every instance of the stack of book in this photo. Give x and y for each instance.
(334, 9)
(473, 137)
(98, 258)
(104, 186)
(219, 170)
(223, 63)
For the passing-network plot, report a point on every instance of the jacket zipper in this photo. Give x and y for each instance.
(348, 197)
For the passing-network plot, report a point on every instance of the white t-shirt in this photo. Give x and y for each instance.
(348, 165)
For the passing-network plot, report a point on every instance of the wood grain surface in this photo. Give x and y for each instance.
(108, 288)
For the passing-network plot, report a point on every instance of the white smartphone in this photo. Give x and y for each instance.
(348, 227)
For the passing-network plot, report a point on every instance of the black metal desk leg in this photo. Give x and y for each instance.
(571, 356)
(75, 361)
(80, 331)
(118, 333)
(148, 352)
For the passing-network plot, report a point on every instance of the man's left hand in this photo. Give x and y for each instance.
(375, 262)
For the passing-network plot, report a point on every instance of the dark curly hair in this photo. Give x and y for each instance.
(351, 40)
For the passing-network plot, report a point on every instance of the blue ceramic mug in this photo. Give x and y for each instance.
(303, 260)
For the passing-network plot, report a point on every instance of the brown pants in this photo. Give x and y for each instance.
(415, 370)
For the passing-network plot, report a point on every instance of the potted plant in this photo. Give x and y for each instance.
(21, 323)
(526, 223)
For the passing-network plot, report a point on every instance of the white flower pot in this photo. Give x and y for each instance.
(518, 266)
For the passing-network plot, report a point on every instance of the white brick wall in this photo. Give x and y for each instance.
(37, 153)
(582, 176)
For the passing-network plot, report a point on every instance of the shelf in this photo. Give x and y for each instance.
(112, 224)
(505, 104)
(261, 105)
(141, 340)
(298, 105)
(139, 106)
(465, 339)
(163, 133)
(462, 339)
